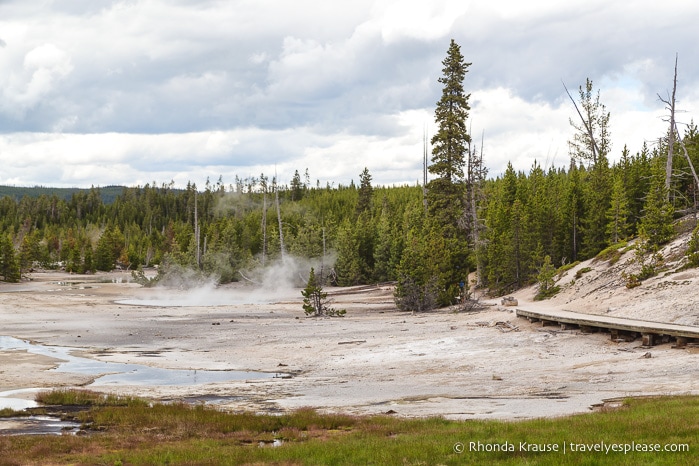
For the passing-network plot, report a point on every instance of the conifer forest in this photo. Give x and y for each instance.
(427, 238)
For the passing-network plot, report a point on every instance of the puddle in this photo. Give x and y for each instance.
(274, 443)
(19, 399)
(37, 425)
(107, 374)
(111, 373)
(209, 399)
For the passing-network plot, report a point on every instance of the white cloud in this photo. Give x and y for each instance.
(418, 19)
(135, 91)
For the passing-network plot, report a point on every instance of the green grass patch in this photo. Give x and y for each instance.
(153, 433)
(550, 293)
(581, 272)
(9, 412)
(70, 397)
(613, 253)
(564, 268)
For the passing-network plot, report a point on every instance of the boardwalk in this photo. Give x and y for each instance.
(619, 327)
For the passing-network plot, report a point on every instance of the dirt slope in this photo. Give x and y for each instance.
(671, 296)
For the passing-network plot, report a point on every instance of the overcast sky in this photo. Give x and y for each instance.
(135, 91)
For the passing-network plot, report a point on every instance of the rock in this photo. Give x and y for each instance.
(647, 355)
(509, 301)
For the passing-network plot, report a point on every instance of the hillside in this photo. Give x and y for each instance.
(668, 297)
(107, 193)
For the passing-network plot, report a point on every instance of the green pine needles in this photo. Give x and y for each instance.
(315, 300)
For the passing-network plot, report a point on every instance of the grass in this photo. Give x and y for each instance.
(612, 253)
(142, 433)
(564, 268)
(70, 397)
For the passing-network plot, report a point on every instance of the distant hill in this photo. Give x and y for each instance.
(107, 193)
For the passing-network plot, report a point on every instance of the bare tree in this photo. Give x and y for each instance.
(476, 173)
(670, 105)
(674, 135)
(263, 182)
(279, 217)
(592, 138)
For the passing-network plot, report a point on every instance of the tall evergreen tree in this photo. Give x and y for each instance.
(618, 212)
(446, 192)
(597, 199)
(365, 192)
(656, 224)
(9, 264)
(449, 144)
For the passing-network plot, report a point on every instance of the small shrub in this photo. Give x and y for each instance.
(612, 253)
(140, 277)
(315, 300)
(582, 271)
(693, 249)
(564, 268)
(546, 279)
(649, 260)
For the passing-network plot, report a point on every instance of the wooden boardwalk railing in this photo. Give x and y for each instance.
(620, 327)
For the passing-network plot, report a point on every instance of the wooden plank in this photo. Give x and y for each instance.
(586, 321)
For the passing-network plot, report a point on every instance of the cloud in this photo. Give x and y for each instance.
(132, 91)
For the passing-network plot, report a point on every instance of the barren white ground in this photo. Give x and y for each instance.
(377, 359)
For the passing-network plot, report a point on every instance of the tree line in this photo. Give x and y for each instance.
(427, 239)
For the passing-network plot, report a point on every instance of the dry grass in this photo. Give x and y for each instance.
(141, 433)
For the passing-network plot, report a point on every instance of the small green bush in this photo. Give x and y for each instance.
(612, 253)
(564, 268)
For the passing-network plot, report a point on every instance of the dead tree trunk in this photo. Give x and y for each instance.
(196, 229)
(671, 135)
(279, 219)
(264, 224)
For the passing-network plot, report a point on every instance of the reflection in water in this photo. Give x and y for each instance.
(115, 374)
(106, 374)
(111, 373)
(37, 425)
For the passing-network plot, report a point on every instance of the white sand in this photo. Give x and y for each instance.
(373, 360)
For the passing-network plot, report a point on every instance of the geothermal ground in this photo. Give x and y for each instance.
(376, 359)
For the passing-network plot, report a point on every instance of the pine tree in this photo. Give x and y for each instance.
(315, 300)
(446, 192)
(449, 144)
(591, 138)
(9, 264)
(365, 192)
(297, 188)
(348, 266)
(597, 202)
(656, 224)
(575, 209)
(618, 213)
(546, 280)
(693, 249)
(386, 238)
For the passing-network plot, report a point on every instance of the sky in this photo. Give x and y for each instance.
(98, 93)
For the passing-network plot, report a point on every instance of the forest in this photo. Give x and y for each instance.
(425, 238)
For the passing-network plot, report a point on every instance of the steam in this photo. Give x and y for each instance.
(279, 281)
(288, 273)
